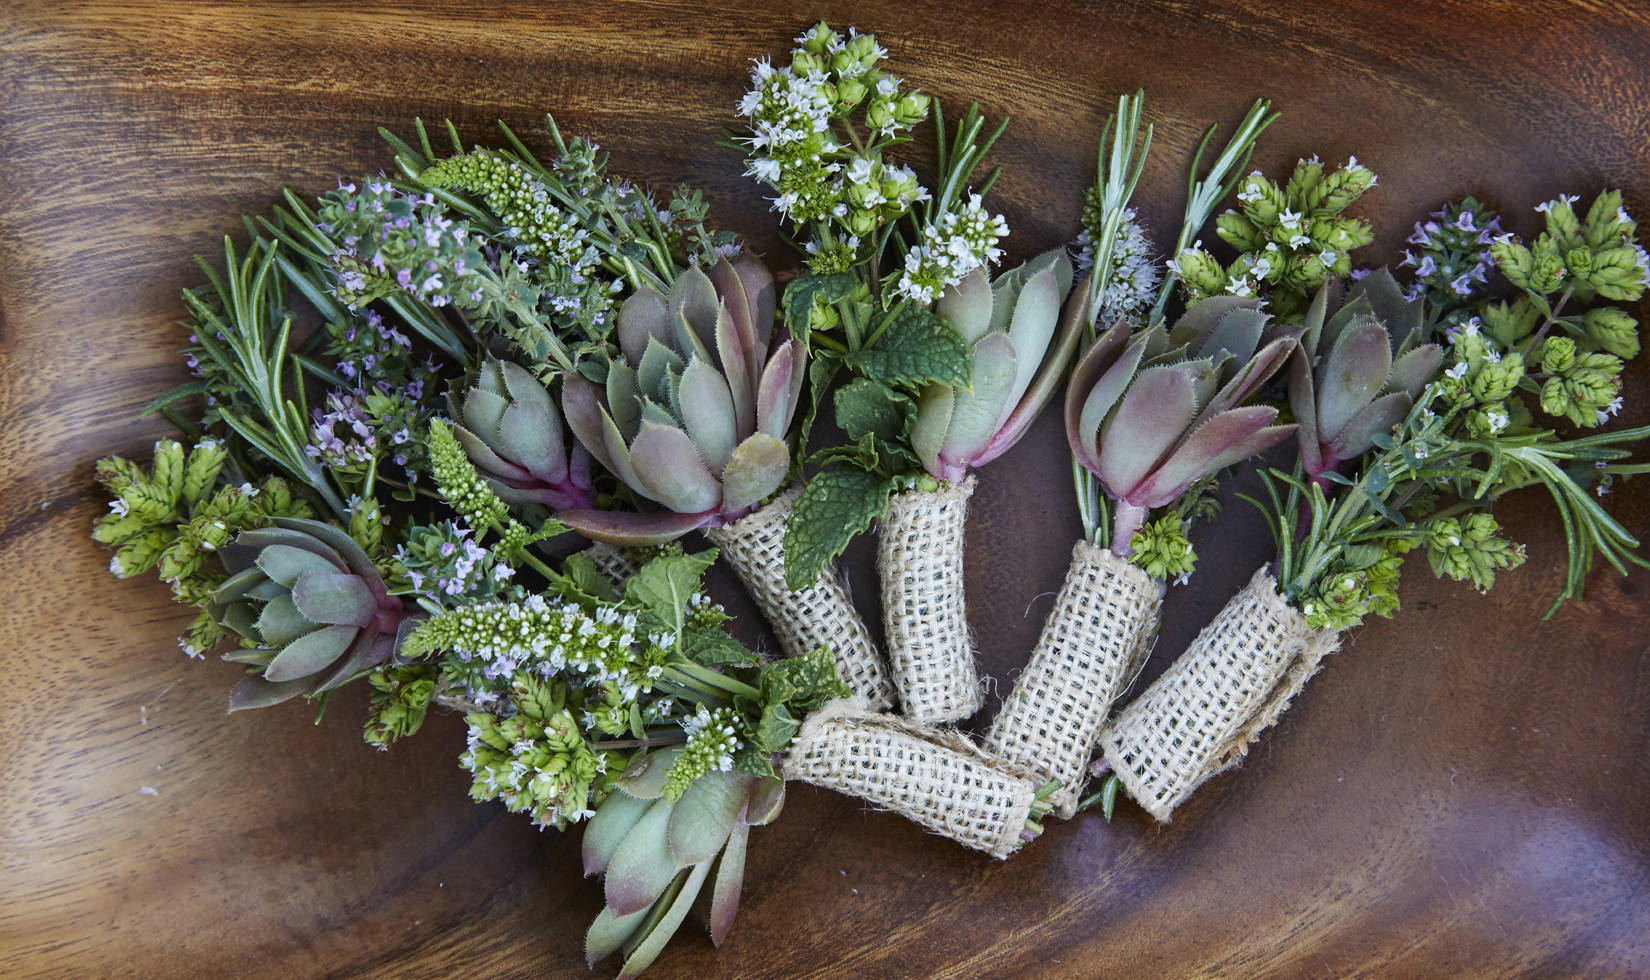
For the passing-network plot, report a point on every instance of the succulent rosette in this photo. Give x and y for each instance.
(1152, 413)
(1356, 373)
(693, 414)
(1022, 332)
(511, 429)
(314, 610)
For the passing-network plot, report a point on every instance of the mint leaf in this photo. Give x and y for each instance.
(585, 580)
(822, 370)
(713, 647)
(834, 506)
(664, 585)
(865, 407)
(804, 682)
(805, 291)
(916, 348)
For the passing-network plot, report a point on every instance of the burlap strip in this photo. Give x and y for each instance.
(1101, 628)
(933, 777)
(614, 562)
(1232, 683)
(820, 615)
(925, 620)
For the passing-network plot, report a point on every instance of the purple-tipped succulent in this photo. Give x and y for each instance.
(1356, 373)
(1150, 414)
(1021, 344)
(694, 414)
(314, 606)
(652, 849)
(512, 431)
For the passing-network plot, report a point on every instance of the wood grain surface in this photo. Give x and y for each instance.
(1463, 792)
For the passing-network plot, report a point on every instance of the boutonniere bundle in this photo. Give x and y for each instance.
(449, 428)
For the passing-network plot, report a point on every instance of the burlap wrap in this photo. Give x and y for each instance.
(818, 615)
(616, 563)
(1100, 630)
(936, 778)
(1232, 683)
(924, 618)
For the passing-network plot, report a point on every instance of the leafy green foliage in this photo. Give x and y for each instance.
(915, 348)
(835, 505)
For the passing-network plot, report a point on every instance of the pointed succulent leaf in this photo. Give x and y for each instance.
(1401, 317)
(1411, 372)
(730, 881)
(608, 933)
(1195, 326)
(482, 408)
(767, 798)
(670, 469)
(1354, 312)
(368, 650)
(284, 563)
(967, 305)
(618, 457)
(1252, 445)
(1312, 326)
(648, 949)
(532, 437)
(730, 287)
(487, 461)
(1024, 408)
(256, 692)
(763, 300)
(263, 537)
(1379, 416)
(355, 560)
(1105, 395)
(1091, 367)
(645, 777)
(694, 307)
(581, 403)
(641, 867)
(739, 378)
(311, 653)
(623, 397)
(774, 403)
(629, 528)
(755, 469)
(238, 585)
(238, 617)
(334, 598)
(607, 829)
(932, 421)
(658, 363)
(280, 622)
(1036, 317)
(1265, 363)
(1354, 372)
(707, 411)
(1151, 417)
(705, 815)
(974, 413)
(644, 316)
(1237, 334)
(1204, 452)
(1303, 402)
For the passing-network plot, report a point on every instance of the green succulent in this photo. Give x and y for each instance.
(1021, 344)
(658, 853)
(312, 607)
(511, 429)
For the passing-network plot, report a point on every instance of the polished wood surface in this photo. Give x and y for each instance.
(1463, 792)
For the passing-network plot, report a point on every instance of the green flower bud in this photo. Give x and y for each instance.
(1201, 273)
(1557, 354)
(139, 554)
(201, 470)
(1262, 202)
(807, 63)
(1515, 262)
(879, 116)
(366, 524)
(1240, 231)
(1579, 262)
(1562, 223)
(850, 92)
(861, 51)
(1607, 221)
(1555, 400)
(1162, 550)
(1508, 324)
(1496, 380)
(911, 109)
(820, 38)
(1612, 330)
(1617, 274)
(1548, 273)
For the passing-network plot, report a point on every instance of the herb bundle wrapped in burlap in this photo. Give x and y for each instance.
(934, 777)
(1430, 453)
(1150, 416)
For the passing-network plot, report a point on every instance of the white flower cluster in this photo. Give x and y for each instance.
(960, 242)
(1132, 284)
(548, 637)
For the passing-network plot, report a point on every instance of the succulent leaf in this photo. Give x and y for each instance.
(1412, 371)
(285, 564)
(334, 598)
(974, 413)
(1210, 448)
(706, 407)
(280, 622)
(1357, 436)
(775, 402)
(1149, 419)
(1352, 375)
(608, 934)
(604, 832)
(668, 466)
(755, 469)
(310, 654)
(730, 881)
(643, 317)
(641, 867)
(705, 815)
(932, 421)
(967, 306)
(631, 528)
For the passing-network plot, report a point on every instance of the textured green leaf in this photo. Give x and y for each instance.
(713, 646)
(916, 347)
(664, 585)
(835, 505)
(801, 295)
(641, 867)
(862, 406)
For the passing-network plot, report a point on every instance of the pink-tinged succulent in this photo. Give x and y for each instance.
(1021, 344)
(694, 414)
(1150, 414)
(1348, 384)
(658, 854)
(511, 429)
(313, 605)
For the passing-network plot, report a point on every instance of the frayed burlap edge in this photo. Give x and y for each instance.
(933, 777)
(924, 615)
(820, 615)
(1100, 630)
(1232, 683)
(615, 562)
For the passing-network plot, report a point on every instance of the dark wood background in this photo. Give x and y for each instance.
(1461, 793)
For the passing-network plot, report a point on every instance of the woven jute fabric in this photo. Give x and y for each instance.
(616, 563)
(1100, 630)
(819, 615)
(924, 618)
(1232, 683)
(934, 777)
